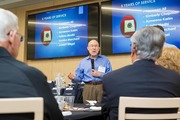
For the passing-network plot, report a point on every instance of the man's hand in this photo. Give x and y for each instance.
(71, 76)
(96, 73)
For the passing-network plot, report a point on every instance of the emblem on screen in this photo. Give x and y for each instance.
(128, 26)
(46, 36)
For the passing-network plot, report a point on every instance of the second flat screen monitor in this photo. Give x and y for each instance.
(121, 18)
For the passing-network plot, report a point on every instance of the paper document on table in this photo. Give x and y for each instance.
(92, 102)
(79, 109)
(66, 113)
(94, 108)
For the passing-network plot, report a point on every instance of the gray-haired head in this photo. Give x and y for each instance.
(8, 21)
(148, 42)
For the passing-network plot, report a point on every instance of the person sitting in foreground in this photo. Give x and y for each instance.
(19, 80)
(143, 78)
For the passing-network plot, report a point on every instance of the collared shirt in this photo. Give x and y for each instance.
(84, 69)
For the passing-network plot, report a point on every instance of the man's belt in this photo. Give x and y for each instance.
(94, 83)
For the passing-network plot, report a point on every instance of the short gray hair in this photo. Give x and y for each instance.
(9, 21)
(148, 42)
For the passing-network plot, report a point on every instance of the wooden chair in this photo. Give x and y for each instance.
(23, 105)
(142, 102)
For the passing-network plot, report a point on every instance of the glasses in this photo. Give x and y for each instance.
(20, 35)
(132, 44)
(93, 46)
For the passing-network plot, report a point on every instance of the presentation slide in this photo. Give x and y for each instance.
(128, 16)
(62, 33)
(58, 33)
(133, 15)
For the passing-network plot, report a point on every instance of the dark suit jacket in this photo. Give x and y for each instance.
(141, 79)
(19, 80)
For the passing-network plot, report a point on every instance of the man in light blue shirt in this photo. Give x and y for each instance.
(90, 70)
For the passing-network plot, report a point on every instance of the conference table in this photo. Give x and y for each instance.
(84, 114)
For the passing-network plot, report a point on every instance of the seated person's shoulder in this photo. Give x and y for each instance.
(29, 70)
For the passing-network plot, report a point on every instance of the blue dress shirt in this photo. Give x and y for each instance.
(84, 69)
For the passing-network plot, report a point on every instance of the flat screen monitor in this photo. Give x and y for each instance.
(62, 32)
(121, 18)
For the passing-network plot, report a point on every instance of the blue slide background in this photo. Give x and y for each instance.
(69, 32)
(136, 8)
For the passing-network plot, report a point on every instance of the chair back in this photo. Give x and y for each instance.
(150, 103)
(23, 105)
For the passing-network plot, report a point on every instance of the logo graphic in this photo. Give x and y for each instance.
(128, 26)
(46, 36)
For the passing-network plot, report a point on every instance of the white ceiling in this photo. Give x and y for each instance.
(8, 4)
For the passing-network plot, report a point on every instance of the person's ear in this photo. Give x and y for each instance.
(88, 48)
(11, 35)
(133, 54)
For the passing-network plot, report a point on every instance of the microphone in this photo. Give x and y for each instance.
(92, 63)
